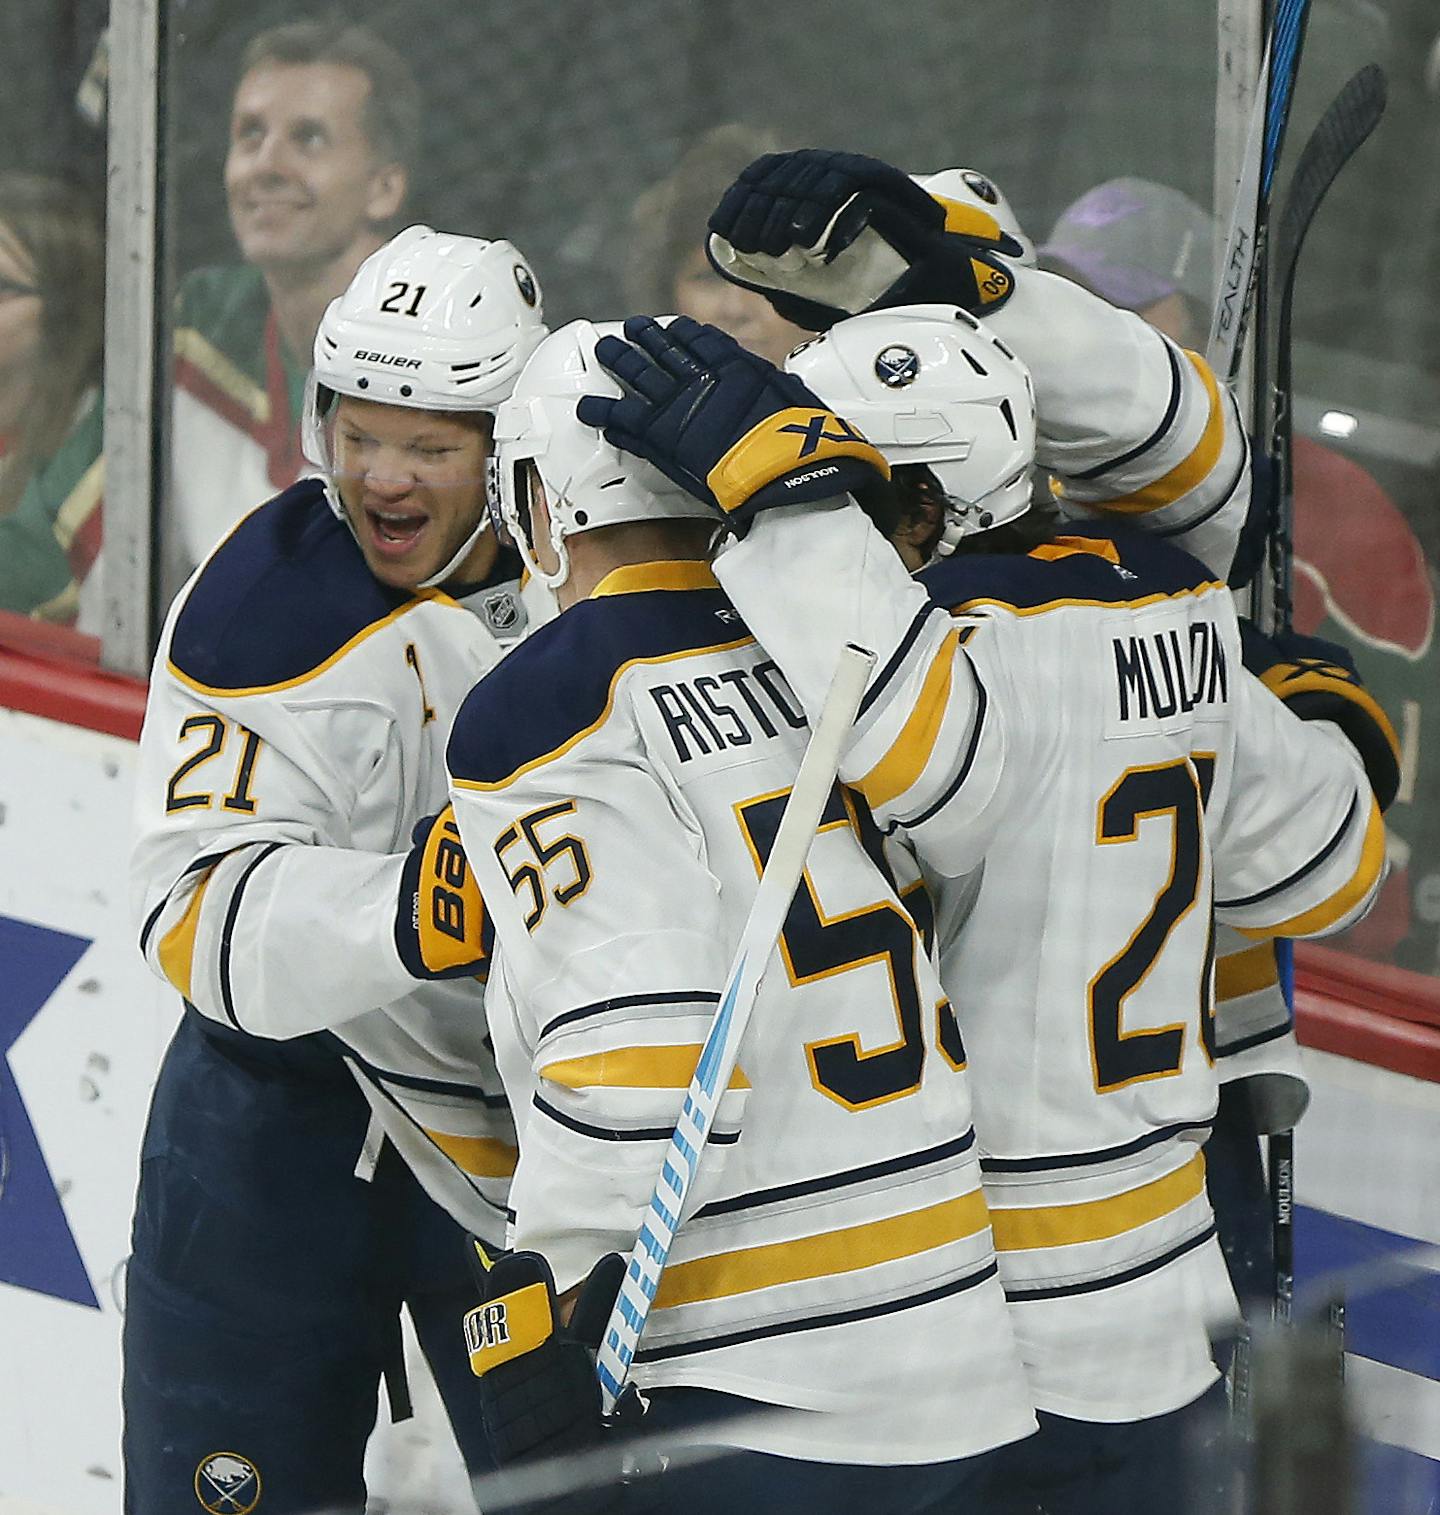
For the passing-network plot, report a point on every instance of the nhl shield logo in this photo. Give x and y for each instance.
(525, 283)
(897, 366)
(981, 186)
(503, 613)
(227, 1484)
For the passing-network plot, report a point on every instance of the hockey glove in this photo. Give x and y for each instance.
(441, 928)
(538, 1391)
(1318, 681)
(724, 424)
(824, 235)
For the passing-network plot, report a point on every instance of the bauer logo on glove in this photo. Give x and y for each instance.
(441, 928)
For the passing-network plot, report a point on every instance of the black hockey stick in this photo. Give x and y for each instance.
(1348, 120)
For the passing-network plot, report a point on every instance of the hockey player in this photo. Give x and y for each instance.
(617, 781)
(1064, 733)
(299, 704)
(1132, 426)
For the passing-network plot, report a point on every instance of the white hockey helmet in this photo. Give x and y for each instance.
(587, 482)
(930, 386)
(431, 321)
(968, 186)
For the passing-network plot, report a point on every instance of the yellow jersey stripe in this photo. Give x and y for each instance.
(903, 764)
(1024, 1229)
(660, 1067)
(177, 947)
(421, 597)
(636, 578)
(1246, 972)
(485, 786)
(199, 350)
(725, 1274)
(479, 1156)
(1067, 547)
(1192, 468)
(1345, 899)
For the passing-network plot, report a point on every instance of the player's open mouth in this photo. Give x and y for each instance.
(395, 532)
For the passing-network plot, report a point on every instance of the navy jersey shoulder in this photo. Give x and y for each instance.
(286, 589)
(1129, 565)
(557, 684)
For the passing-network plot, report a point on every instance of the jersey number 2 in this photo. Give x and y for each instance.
(1175, 791)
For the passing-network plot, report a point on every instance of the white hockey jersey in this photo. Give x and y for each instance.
(1129, 424)
(618, 781)
(1076, 724)
(294, 735)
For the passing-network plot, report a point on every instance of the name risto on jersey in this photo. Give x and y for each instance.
(1170, 671)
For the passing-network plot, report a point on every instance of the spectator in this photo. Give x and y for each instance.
(666, 268)
(324, 126)
(52, 302)
(1361, 576)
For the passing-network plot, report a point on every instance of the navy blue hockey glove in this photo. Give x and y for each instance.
(726, 425)
(539, 1395)
(824, 235)
(1318, 681)
(441, 927)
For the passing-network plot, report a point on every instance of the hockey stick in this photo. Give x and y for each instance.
(1348, 121)
(1240, 283)
(778, 882)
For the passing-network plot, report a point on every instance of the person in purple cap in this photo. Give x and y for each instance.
(1144, 246)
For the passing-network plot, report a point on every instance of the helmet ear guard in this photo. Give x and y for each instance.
(929, 385)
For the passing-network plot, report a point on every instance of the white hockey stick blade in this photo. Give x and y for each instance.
(778, 882)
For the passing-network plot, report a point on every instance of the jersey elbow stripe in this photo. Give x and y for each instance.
(1027, 1228)
(1191, 469)
(658, 1067)
(967, 761)
(908, 756)
(176, 951)
(1246, 972)
(479, 1156)
(1303, 871)
(1172, 406)
(892, 664)
(706, 997)
(622, 1133)
(227, 935)
(724, 1274)
(1345, 899)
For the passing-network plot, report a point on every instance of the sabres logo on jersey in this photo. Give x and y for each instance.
(897, 365)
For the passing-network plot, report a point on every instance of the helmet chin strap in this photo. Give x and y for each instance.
(435, 579)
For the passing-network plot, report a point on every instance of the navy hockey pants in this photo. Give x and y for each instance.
(757, 1482)
(265, 1283)
(1166, 1465)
